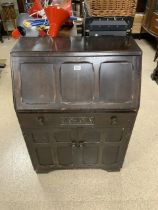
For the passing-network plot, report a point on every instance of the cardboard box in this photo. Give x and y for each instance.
(137, 22)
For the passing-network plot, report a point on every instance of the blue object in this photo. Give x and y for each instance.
(38, 22)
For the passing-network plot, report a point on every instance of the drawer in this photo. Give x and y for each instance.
(71, 120)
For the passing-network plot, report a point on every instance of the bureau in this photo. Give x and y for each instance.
(76, 99)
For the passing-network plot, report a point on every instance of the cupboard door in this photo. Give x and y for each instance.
(89, 145)
(110, 154)
(44, 156)
(65, 154)
(64, 141)
(90, 153)
(114, 134)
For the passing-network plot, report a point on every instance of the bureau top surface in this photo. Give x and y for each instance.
(76, 46)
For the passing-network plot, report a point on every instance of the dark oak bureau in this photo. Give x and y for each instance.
(76, 99)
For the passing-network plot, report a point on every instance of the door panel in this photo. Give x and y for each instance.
(110, 154)
(116, 80)
(90, 153)
(44, 156)
(37, 83)
(64, 141)
(65, 154)
(77, 82)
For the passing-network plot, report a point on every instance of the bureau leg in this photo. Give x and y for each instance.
(114, 168)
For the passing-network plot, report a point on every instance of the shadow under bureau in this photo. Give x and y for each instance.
(76, 99)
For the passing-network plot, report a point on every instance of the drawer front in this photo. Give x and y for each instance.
(71, 120)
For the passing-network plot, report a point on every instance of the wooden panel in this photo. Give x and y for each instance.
(113, 82)
(53, 121)
(113, 134)
(90, 153)
(110, 154)
(77, 82)
(44, 156)
(64, 154)
(37, 83)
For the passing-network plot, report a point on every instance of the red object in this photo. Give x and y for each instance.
(35, 8)
(56, 17)
(67, 6)
(16, 34)
(42, 33)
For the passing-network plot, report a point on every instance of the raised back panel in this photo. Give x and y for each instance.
(37, 83)
(77, 82)
(116, 80)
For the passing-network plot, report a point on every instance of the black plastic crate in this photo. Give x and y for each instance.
(107, 25)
